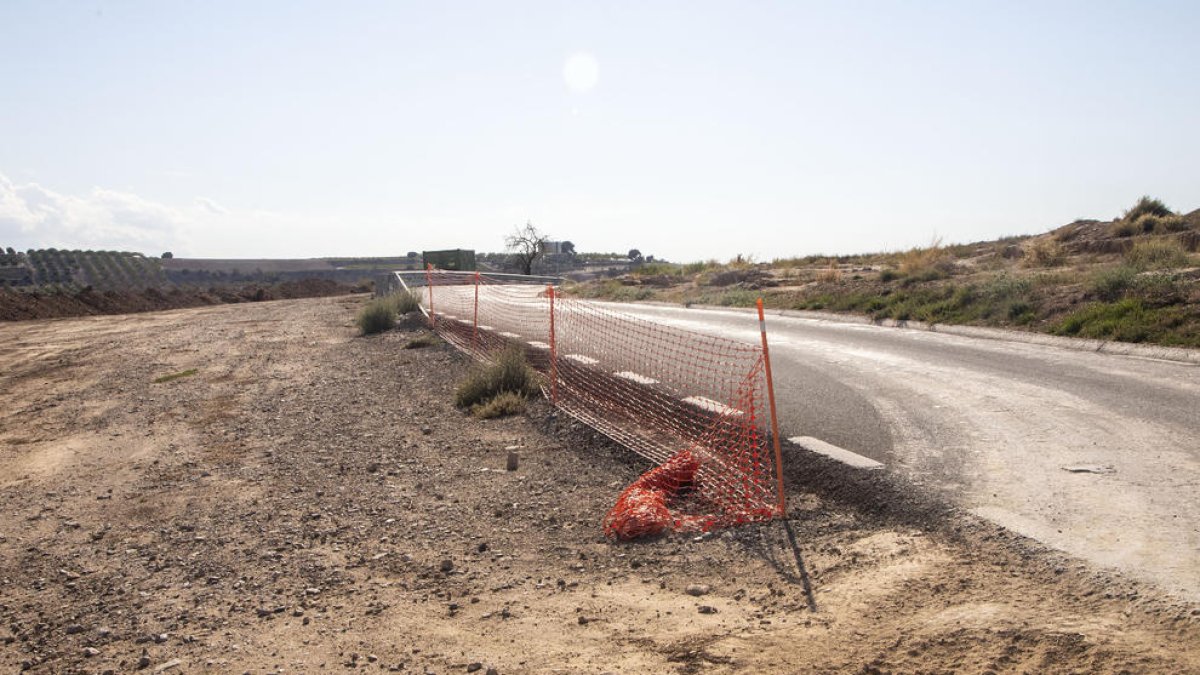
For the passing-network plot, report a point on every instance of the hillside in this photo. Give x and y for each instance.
(1135, 278)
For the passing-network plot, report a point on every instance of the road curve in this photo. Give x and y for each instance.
(1095, 454)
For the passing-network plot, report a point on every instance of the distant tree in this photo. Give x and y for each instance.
(635, 254)
(168, 254)
(413, 254)
(11, 251)
(526, 244)
(649, 258)
(568, 248)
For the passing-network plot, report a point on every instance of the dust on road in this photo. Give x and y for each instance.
(311, 500)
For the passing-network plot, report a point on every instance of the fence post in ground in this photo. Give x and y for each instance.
(429, 283)
(476, 335)
(553, 350)
(762, 325)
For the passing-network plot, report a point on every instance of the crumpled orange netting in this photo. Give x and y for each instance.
(642, 509)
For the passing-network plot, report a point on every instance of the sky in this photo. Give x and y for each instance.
(688, 130)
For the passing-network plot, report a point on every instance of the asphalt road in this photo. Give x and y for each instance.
(1095, 454)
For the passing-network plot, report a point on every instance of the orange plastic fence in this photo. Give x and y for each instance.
(697, 405)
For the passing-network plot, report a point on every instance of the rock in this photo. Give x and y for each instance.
(514, 461)
(169, 665)
(492, 671)
(706, 609)
(472, 667)
(74, 629)
(90, 652)
(447, 565)
(698, 589)
(426, 430)
(143, 660)
(583, 621)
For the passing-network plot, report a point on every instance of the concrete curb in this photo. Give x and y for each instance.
(1177, 354)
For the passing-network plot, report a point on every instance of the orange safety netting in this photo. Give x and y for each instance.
(694, 404)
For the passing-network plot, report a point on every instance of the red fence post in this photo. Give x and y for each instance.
(476, 336)
(553, 350)
(429, 283)
(762, 325)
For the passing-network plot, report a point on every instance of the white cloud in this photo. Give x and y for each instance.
(211, 206)
(37, 217)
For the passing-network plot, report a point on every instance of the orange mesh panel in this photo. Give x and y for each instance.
(693, 403)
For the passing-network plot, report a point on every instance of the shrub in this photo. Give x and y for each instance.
(926, 264)
(508, 374)
(405, 302)
(1147, 206)
(1111, 284)
(1045, 253)
(379, 315)
(889, 274)
(1156, 254)
(830, 274)
(1123, 228)
(500, 405)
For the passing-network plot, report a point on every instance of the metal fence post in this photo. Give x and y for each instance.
(553, 350)
(762, 325)
(429, 283)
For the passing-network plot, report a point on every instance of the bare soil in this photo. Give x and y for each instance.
(311, 500)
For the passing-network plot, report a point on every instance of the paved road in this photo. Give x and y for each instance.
(995, 425)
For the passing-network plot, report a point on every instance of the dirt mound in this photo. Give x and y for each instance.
(20, 306)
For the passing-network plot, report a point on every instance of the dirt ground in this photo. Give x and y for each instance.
(310, 500)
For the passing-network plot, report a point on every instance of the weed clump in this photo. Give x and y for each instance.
(500, 405)
(509, 374)
(1045, 253)
(426, 340)
(379, 315)
(1157, 254)
(405, 302)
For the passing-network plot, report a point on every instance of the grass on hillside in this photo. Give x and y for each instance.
(1134, 279)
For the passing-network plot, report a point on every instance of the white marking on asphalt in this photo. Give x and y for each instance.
(635, 377)
(713, 406)
(834, 452)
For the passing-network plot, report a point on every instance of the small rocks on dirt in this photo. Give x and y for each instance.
(472, 667)
(91, 651)
(698, 589)
(447, 565)
(706, 609)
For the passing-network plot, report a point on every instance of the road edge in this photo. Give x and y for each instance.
(1177, 354)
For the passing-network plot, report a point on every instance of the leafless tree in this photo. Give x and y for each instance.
(526, 244)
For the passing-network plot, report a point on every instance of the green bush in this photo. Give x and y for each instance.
(500, 405)
(379, 315)
(1147, 205)
(1111, 284)
(508, 374)
(1156, 254)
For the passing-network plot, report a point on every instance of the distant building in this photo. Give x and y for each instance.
(460, 259)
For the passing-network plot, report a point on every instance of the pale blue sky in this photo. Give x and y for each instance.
(272, 129)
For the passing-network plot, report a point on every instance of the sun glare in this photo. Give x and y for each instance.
(581, 71)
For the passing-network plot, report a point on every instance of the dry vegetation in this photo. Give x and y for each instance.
(1134, 279)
